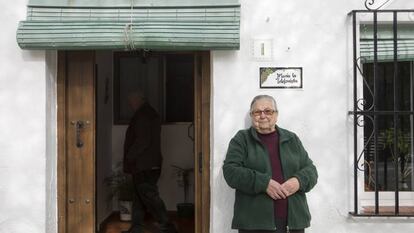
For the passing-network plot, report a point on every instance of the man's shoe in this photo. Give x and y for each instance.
(173, 230)
(135, 230)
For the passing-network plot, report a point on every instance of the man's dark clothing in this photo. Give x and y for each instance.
(142, 147)
(148, 198)
(142, 159)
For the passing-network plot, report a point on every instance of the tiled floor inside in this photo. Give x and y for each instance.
(183, 225)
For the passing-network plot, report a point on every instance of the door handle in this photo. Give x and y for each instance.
(79, 125)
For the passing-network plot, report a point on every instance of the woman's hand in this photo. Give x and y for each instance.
(276, 190)
(292, 185)
(281, 191)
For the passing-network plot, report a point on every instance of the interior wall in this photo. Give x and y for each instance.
(177, 149)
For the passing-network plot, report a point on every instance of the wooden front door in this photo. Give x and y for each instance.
(202, 141)
(76, 142)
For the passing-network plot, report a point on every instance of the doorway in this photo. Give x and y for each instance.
(82, 88)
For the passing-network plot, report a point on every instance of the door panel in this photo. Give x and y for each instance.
(76, 133)
(202, 141)
(76, 164)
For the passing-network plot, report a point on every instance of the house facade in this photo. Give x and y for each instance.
(338, 52)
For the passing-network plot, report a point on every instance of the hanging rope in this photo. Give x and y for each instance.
(128, 30)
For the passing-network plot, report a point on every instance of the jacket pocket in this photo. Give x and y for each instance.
(299, 215)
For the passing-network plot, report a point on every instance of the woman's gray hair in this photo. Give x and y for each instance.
(259, 97)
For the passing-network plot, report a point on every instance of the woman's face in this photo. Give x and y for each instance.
(264, 116)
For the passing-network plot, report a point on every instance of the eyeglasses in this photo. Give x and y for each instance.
(267, 112)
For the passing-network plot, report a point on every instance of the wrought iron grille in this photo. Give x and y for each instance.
(383, 111)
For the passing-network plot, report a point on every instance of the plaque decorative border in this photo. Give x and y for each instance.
(281, 77)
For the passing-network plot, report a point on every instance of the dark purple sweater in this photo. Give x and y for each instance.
(271, 142)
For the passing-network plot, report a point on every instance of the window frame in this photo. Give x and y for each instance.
(363, 198)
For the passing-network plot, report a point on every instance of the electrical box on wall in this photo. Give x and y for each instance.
(262, 49)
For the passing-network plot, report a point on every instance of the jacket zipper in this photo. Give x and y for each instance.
(265, 149)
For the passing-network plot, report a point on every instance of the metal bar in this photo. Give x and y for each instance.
(368, 11)
(375, 116)
(396, 107)
(355, 116)
(382, 215)
(412, 122)
(381, 112)
(385, 179)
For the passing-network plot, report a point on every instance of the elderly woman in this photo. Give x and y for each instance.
(271, 173)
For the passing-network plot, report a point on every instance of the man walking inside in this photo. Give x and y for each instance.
(143, 159)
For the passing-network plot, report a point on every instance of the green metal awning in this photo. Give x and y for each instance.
(385, 44)
(131, 24)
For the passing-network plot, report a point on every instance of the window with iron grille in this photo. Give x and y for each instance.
(383, 112)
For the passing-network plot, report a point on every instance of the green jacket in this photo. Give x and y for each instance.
(247, 169)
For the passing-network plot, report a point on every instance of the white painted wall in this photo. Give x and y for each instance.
(177, 149)
(22, 129)
(314, 35)
(311, 34)
(51, 141)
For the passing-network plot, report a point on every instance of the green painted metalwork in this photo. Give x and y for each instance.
(405, 41)
(139, 3)
(158, 27)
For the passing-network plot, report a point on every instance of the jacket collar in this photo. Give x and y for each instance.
(284, 135)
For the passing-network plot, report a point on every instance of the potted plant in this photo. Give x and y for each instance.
(122, 187)
(185, 209)
(403, 153)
